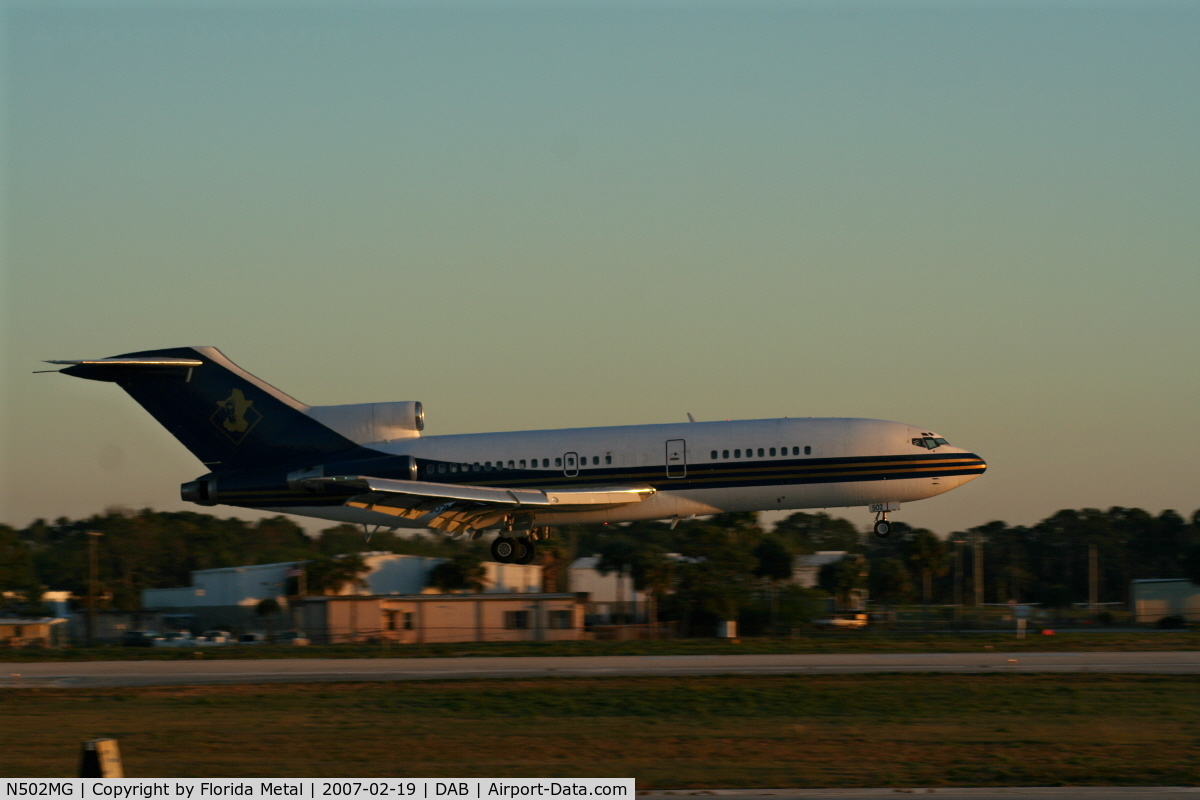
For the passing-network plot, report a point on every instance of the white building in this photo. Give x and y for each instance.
(1156, 598)
(612, 598)
(806, 570)
(388, 574)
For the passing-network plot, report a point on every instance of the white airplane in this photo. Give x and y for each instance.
(369, 464)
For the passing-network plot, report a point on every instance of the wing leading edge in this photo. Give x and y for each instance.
(458, 508)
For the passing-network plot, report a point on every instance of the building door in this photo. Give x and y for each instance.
(571, 464)
(676, 458)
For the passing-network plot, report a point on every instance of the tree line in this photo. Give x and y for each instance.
(728, 566)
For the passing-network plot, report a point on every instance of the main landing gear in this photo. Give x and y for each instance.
(513, 550)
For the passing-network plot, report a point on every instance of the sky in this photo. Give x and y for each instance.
(982, 218)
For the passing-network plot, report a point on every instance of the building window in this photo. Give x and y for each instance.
(807, 450)
(390, 617)
(516, 620)
(408, 620)
(559, 620)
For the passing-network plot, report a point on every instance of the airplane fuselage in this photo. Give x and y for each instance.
(696, 468)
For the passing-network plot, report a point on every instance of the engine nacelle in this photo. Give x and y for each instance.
(202, 491)
(365, 423)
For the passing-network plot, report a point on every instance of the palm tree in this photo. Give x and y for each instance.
(927, 553)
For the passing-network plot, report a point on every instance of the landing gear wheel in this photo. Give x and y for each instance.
(528, 552)
(883, 528)
(504, 549)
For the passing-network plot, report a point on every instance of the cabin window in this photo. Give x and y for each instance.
(454, 467)
(558, 462)
(760, 452)
(714, 455)
(432, 468)
(807, 450)
(475, 467)
(772, 451)
(510, 465)
(596, 460)
(608, 459)
(522, 464)
(737, 453)
(724, 454)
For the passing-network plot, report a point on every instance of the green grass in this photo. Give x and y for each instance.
(668, 732)
(821, 642)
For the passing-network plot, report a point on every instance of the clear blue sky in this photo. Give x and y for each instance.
(983, 218)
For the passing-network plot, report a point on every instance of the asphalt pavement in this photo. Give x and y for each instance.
(304, 670)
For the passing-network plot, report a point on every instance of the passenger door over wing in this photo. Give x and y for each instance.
(676, 458)
(570, 464)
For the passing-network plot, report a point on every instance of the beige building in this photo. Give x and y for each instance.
(35, 632)
(429, 618)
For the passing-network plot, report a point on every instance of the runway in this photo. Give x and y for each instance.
(301, 670)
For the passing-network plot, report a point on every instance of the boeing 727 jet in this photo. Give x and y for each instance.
(370, 464)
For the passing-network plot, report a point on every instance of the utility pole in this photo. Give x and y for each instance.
(958, 580)
(1093, 578)
(92, 580)
(977, 566)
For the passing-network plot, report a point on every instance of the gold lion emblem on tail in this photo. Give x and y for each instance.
(235, 416)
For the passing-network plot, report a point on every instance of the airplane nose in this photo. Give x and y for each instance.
(975, 465)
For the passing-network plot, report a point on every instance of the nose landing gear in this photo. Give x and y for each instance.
(882, 527)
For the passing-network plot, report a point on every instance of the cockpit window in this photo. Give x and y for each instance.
(929, 442)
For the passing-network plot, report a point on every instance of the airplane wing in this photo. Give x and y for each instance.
(458, 508)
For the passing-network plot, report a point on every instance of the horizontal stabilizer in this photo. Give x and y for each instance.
(133, 362)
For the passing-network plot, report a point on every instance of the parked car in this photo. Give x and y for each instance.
(215, 637)
(140, 638)
(292, 637)
(175, 639)
(251, 638)
(843, 621)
